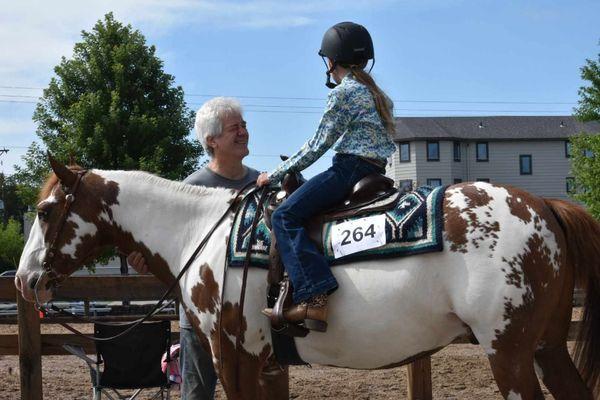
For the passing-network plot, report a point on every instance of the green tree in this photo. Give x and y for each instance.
(112, 106)
(11, 245)
(29, 178)
(585, 146)
(12, 205)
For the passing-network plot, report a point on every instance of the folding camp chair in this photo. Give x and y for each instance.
(131, 362)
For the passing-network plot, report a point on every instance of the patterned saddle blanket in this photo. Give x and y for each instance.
(413, 226)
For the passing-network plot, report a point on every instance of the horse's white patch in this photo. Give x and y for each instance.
(538, 370)
(50, 199)
(514, 396)
(34, 251)
(82, 228)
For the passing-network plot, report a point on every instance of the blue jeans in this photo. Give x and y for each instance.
(197, 371)
(306, 266)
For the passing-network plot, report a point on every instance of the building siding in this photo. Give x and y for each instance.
(403, 170)
(550, 167)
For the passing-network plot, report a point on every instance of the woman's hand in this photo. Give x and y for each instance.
(263, 179)
(136, 261)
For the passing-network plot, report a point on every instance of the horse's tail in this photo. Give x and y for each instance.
(582, 232)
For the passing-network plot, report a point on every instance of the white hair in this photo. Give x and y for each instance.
(209, 118)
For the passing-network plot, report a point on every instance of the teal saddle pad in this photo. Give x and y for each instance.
(413, 226)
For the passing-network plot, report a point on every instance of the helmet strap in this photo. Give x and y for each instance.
(372, 65)
(328, 82)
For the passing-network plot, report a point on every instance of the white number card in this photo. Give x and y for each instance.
(358, 235)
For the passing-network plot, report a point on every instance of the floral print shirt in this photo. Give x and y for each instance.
(351, 124)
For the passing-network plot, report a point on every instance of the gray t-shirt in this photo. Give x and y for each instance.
(209, 178)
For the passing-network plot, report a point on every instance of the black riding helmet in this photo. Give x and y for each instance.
(345, 44)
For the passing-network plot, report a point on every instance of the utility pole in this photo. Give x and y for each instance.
(2, 213)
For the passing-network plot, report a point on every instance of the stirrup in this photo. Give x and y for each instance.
(278, 322)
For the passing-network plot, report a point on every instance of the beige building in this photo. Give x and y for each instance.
(530, 152)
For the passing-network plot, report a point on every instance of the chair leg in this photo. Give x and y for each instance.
(135, 394)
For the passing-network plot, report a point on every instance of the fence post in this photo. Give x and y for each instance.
(30, 350)
(419, 379)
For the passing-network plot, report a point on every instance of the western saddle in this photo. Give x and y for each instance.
(367, 191)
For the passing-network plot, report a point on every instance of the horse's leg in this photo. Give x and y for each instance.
(274, 380)
(515, 375)
(553, 363)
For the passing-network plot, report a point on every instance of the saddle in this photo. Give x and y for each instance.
(368, 191)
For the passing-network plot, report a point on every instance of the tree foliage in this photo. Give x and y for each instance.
(589, 101)
(586, 170)
(28, 178)
(586, 146)
(11, 245)
(112, 106)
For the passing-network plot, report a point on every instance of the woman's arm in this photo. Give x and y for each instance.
(333, 124)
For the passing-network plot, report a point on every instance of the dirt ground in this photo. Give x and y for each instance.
(458, 372)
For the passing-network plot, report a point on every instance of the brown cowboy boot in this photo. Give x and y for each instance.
(312, 313)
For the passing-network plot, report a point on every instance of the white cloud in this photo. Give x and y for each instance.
(35, 34)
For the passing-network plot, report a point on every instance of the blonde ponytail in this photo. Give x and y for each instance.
(383, 104)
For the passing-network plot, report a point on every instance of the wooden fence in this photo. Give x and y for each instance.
(31, 345)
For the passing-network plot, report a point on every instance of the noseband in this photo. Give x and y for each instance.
(54, 277)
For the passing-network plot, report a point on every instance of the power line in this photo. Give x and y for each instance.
(292, 108)
(323, 99)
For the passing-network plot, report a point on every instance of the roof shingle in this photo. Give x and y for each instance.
(492, 128)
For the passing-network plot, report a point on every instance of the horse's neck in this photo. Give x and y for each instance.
(168, 218)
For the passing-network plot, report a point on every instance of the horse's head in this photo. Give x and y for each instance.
(70, 229)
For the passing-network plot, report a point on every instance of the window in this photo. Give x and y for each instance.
(406, 185)
(456, 151)
(525, 164)
(457, 180)
(588, 153)
(434, 182)
(482, 151)
(404, 152)
(568, 147)
(570, 185)
(483, 180)
(433, 151)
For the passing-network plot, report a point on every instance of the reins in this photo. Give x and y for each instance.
(238, 337)
(158, 305)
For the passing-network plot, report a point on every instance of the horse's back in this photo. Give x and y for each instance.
(503, 251)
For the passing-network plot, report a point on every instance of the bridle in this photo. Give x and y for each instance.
(54, 277)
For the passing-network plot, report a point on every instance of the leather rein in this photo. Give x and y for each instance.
(55, 278)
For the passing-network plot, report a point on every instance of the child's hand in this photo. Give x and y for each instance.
(263, 179)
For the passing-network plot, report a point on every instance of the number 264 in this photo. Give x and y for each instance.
(357, 234)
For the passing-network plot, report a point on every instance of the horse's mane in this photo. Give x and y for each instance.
(174, 186)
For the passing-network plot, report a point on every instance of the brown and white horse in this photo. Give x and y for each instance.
(507, 273)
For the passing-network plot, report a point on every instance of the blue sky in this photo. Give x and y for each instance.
(434, 57)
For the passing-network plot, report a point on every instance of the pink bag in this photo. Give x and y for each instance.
(174, 372)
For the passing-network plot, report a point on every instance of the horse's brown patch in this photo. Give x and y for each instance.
(518, 207)
(455, 227)
(249, 366)
(462, 225)
(205, 294)
(475, 196)
(195, 322)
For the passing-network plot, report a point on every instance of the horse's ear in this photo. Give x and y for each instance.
(64, 174)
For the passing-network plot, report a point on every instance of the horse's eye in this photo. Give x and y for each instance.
(42, 215)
